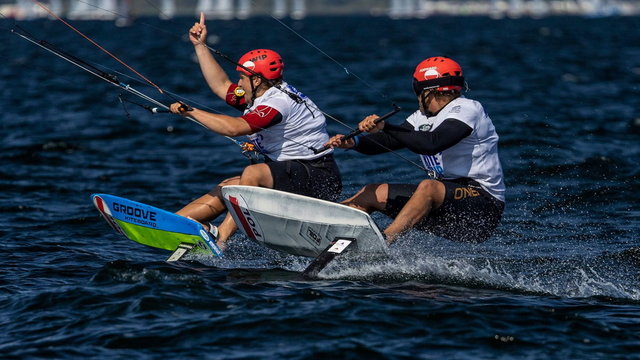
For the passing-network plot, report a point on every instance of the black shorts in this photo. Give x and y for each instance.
(468, 213)
(319, 178)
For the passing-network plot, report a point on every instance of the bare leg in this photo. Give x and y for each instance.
(226, 228)
(428, 196)
(210, 205)
(370, 198)
(253, 175)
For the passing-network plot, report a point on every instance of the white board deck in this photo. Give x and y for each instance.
(299, 225)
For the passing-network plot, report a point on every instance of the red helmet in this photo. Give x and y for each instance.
(437, 73)
(262, 61)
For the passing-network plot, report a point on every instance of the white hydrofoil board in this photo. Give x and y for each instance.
(299, 225)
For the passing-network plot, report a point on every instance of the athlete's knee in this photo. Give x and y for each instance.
(257, 175)
(430, 187)
(230, 181)
(249, 176)
(427, 185)
(432, 190)
(217, 191)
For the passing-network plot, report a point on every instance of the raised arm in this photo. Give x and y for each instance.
(213, 73)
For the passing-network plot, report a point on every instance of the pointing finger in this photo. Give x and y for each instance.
(202, 18)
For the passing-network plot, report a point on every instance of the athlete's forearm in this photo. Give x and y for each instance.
(449, 133)
(222, 124)
(377, 143)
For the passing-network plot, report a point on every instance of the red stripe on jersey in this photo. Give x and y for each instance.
(262, 117)
(238, 102)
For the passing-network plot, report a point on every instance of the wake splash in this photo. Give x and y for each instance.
(596, 277)
(427, 261)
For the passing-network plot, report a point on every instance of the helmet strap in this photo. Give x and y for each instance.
(253, 88)
(424, 95)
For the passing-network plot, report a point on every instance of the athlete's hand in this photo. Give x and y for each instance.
(338, 141)
(179, 108)
(198, 32)
(369, 124)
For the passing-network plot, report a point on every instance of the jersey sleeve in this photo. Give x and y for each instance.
(380, 142)
(449, 133)
(262, 117)
(238, 102)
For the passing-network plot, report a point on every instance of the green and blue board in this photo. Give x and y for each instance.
(152, 226)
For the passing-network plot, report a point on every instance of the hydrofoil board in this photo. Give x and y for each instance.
(154, 227)
(301, 225)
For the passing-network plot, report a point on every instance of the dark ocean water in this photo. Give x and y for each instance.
(559, 280)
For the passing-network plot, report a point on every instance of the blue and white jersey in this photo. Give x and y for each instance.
(476, 156)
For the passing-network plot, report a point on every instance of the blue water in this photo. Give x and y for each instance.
(559, 280)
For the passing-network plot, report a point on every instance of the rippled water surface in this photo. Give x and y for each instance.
(559, 280)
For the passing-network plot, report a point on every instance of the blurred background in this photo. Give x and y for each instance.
(297, 9)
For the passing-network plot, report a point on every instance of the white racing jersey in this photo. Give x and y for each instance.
(303, 125)
(475, 156)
